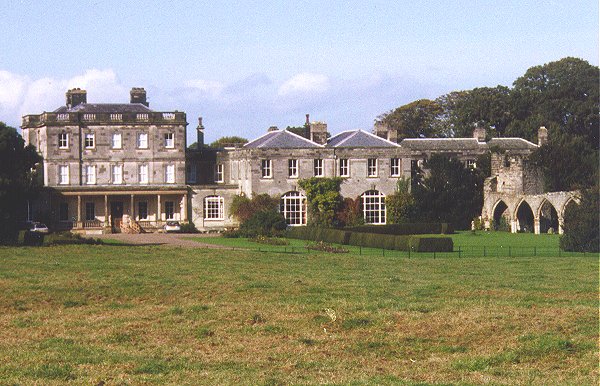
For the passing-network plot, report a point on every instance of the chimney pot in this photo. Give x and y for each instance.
(76, 96)
(138, 95)
(542, 136)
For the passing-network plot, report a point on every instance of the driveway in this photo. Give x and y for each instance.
(173, 239)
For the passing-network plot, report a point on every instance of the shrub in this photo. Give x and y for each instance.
(431, 244)
(28, 238)
(405, 229)
(189, 227)
(269, 240)
(581, 229)
(265, 223)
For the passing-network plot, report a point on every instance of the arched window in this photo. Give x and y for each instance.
(213, 208)
(373, 207)
(293, 208)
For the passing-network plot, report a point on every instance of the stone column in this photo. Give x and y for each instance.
(106, 222)
(536, 225)
(514, 225)
(561, 224)
(132, 209)
(158, 210)
(184, 203)
(79, 221)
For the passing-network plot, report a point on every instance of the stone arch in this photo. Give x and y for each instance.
(501, 216)
(570, 201)
(524, 217)
(548, 217)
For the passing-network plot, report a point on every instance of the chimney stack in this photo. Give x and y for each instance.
(307, 120)
(542, 136)
(76, 96)
(138, 95)
(272, 128)
(200, 134)
(318, 132)
(479, 133)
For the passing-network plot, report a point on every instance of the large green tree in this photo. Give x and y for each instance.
(18, 182)
(449, 192)
(581, 228)
(414, 120)
(228, 141)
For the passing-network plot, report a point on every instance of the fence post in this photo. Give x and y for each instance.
(360, 250)
(459, 252)
(434, 255)
(559, 252)
(383, 252)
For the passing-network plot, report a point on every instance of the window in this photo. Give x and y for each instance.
(90, 142)
(90, 211)
(191, 173)
(344, 167)
(395, 167)
(142, 141)
(373, 207)
(293, 208)
(372, 167)
(116, 141)
(90, 174)
(169, 210)
(117, 174)
(213, 208)
(219, 173)
(265, 166)
(63, 141)
(143, 210)
(170, 174)
(63, 211)
(318, 166)
(169, 140)
(63, 174)
(471, 163)
(143, 174)
(293, 168)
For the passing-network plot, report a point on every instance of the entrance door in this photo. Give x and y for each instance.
(116, 215)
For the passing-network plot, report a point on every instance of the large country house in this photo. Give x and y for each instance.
(112, 166)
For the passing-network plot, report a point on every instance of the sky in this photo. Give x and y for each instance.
(247, 65)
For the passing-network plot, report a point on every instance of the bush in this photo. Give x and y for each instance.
(189, 227)
(68, 238)
(264, 223)
(32, 239)
(581, 229)
(325, 247)
(406, 229)
(431, 244)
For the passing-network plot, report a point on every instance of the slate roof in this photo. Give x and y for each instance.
(281, 139)
(105, 108)
(359, 138)
(448, 144)
(512, 143)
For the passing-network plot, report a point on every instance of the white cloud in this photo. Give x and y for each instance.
(303, 83)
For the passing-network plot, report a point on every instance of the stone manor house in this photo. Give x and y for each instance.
(109, 167)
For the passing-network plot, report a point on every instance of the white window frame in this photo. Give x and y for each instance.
(169, 140)
(89, 141)
(318, 167)
(90, 175)
(373, 207)
(293, 208)
(143, 173)
(344, 167)
(372, 167)
(219, 175)
(292, 168)
(266, 168)
(117, 143)
(63, 140)
(116, 174)
(170, 174)
(214, 208)
(142, 143)
(63, 174)
(395, 167)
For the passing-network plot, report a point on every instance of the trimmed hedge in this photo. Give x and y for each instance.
(372, 240)
(405, 229)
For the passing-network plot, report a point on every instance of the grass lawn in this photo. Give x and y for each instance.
(160, 315)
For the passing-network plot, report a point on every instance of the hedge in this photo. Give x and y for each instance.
(405, 229)
(29, 238)
(372, 240)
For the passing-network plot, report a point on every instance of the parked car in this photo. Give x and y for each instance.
(38, 227)
(172, 226)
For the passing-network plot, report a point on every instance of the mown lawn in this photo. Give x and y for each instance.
(159, 315)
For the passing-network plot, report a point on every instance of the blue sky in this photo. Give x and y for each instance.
(247, 65)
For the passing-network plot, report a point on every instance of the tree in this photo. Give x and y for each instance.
(323, 199)
(581, 230)
(18, 182)
(414, 120)
(567, 163)
(303, 131)
(449, 193)
(401, 205)
(228, 141)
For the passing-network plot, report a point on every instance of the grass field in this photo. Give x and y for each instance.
(158, 315)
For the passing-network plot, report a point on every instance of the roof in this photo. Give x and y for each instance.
(281, 139)
(105, 108)
(359, 138)
(512, 143)
(447, 144)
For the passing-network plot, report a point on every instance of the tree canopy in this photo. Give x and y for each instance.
(18, 181)
(228, 141)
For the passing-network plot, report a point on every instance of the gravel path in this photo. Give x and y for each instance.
(178, 240)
